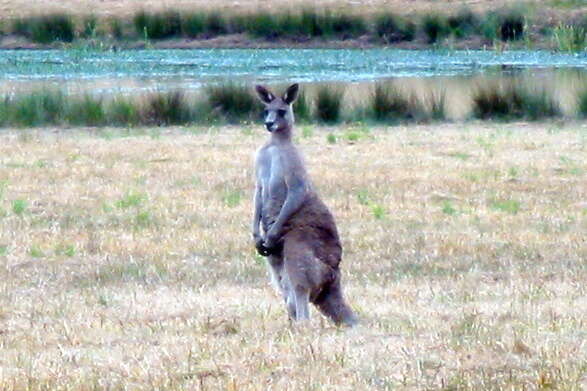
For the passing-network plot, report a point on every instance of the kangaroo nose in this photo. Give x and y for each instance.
(269, 125)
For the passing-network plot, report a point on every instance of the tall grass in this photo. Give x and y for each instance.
(158, 25)
(46, 29)
(329, 102)
(44, 107)
(88, 111)
(123, 112)
(463, 24)
(435, 27)
(511, 25)
(570, 38)
(582, 103)
(392, 28)
(513, 101)
(387, 103)
(167, 108)
(303, 108)
(309, 23)
(232, 102)
(437, 106)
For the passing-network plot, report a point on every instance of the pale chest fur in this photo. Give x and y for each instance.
(270, 171)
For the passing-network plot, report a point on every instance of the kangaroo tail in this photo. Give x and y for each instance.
(331, 303)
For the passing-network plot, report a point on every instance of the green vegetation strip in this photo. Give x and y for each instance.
(507, 24)
(236, 104)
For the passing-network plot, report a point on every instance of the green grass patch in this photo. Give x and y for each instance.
(363, 197)
(378, 211)
(65, 249)
(449, 209)
(506, 206)
(307, 132)
(36, 252)
(232, 198)
(131, 200)
(19, 207)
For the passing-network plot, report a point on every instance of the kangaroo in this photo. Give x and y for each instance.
(292, 227)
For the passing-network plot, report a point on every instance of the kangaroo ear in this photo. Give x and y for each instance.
(264, 94)
(291, 94)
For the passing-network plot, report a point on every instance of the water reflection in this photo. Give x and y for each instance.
(454, 73)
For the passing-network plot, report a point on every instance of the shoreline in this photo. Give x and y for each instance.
(242, 41)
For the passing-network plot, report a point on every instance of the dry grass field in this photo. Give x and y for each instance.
(126, 261)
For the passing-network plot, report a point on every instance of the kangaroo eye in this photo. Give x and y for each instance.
(281, 113)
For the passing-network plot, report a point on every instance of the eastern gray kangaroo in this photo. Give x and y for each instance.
(299, 236)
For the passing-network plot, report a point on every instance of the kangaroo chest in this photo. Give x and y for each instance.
(271, 174)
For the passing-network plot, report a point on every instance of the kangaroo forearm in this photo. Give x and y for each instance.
(256, 214)
(292, 204)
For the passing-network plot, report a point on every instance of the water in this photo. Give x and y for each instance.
(134, 71)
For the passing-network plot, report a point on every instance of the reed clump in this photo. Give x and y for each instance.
(513, 101)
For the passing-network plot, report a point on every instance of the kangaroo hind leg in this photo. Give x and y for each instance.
(305, 275)
(280, 281)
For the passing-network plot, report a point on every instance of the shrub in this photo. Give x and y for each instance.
(329, 104)
(167, 108)
(266, 26)
(234, 102)
(302, 109)
(159, 25)
(391, 28)
(570, 38)
(116, 28)
(582, 103)
(435, 27)
(89, 27)
(388, 104)
(463, 23)
(46, 29)
(216, 24)
(88, 111)
(38, 108)
(123, 112)
(437, 106)
(348, 26)
(513, 101)
(511, 27)
(193, 25)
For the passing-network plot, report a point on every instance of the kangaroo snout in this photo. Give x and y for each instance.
(269, 126)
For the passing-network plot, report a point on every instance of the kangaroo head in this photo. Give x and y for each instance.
(278, 113)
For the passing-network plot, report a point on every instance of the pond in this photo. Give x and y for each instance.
(140, 71)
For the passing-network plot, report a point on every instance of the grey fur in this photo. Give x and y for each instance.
(291, 225)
